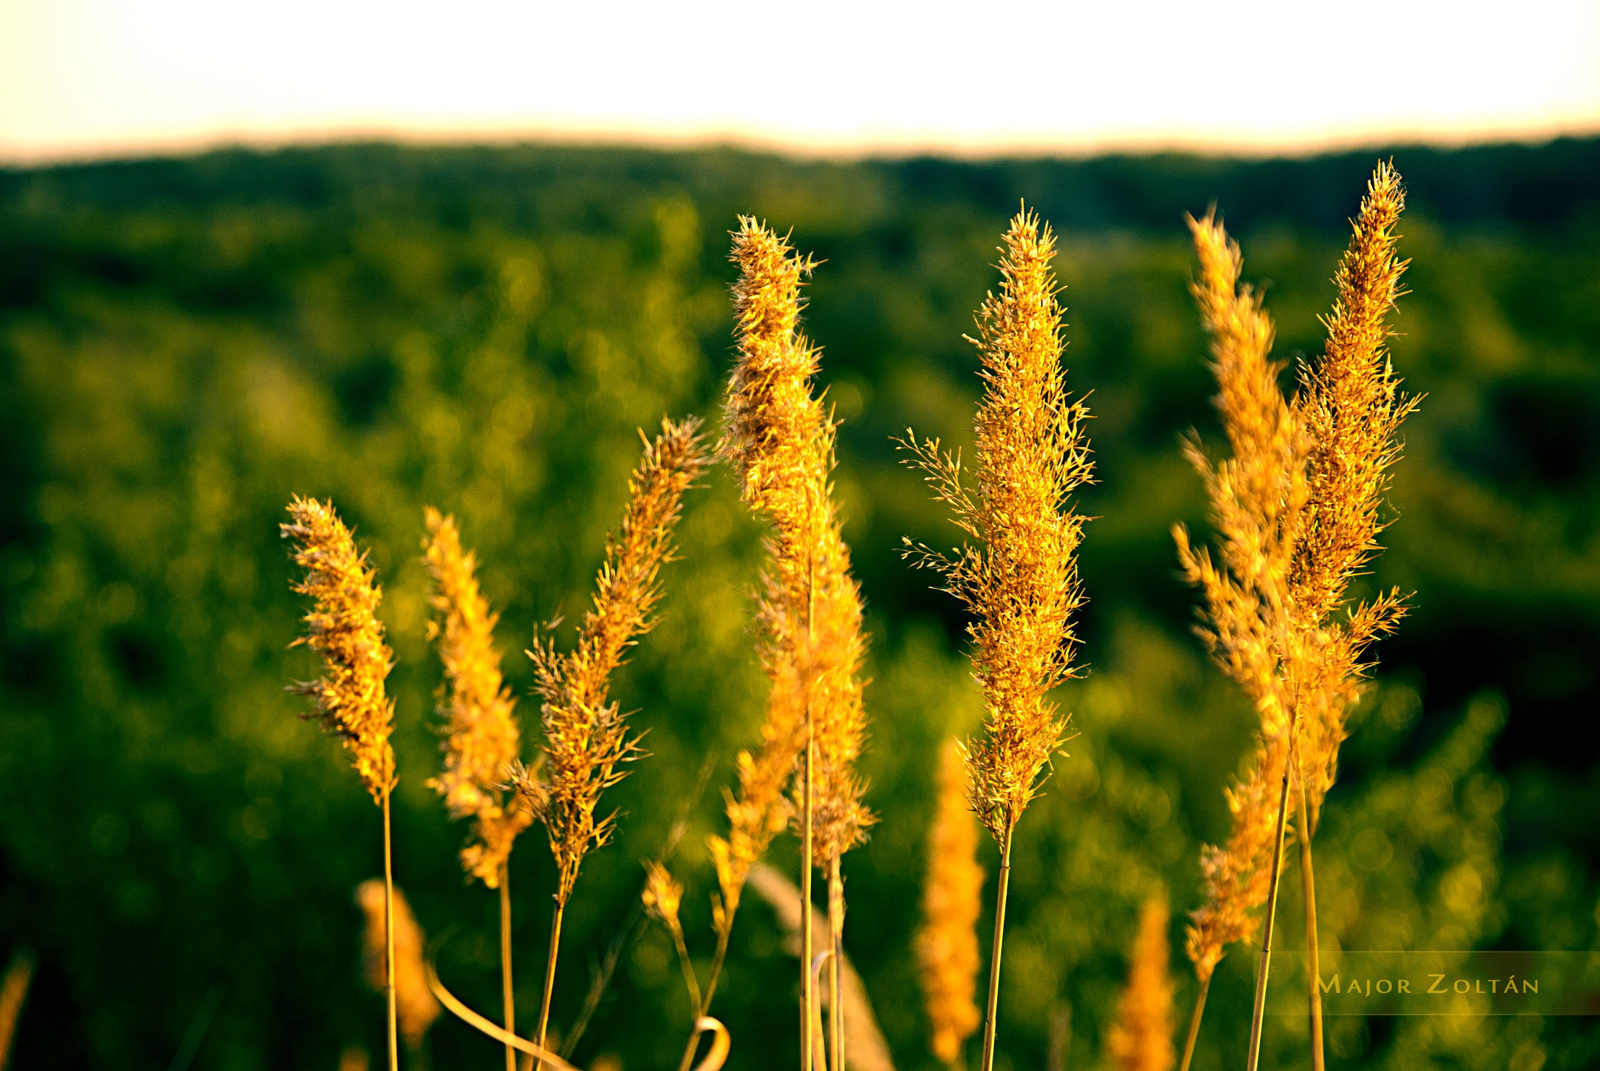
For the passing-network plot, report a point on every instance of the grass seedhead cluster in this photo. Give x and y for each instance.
(779, 440)
(482, 737)
(1296, 506)
(1297, 510)
(1140, 1039)
(343, 627)
(1019, 575)
(947, 943)
(586, 737)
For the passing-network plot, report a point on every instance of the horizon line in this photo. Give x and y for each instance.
(840, 150)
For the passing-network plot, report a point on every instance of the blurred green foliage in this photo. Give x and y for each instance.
(185, 343)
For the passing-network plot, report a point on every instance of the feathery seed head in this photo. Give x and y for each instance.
(586, 737)
(662, 896)
(414, 1001)
(1296, 509)
(1019, 575)
(947, 943)
(342, 626)
(481, 734)
(1141, 1037)
(1352, 407)
(780, 442)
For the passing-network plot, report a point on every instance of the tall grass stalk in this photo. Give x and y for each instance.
(1018, 573)
(1298, 511)
(587, 742)
(349, 700)
(482, 736)
(780, 439)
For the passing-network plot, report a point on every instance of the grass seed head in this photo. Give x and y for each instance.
(779, 440)
(1141, 1037)
(414, 1001)
(1018, 573)
(342, 626)
(482, 738)
(586, 736)
(947, 943)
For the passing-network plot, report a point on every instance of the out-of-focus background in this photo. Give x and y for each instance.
(188, 339)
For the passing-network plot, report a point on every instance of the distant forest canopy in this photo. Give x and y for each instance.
(1550, 185)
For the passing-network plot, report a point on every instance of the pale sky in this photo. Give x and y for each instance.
(86, 78)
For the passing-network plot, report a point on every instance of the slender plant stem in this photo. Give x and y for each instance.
(1194, 1023)
(1265, 959)
(808, 989)
(388, 936)
(1313, 960)
(689, 980)
(995, 948)
(836, 932)
(507, 992)
(549, 978)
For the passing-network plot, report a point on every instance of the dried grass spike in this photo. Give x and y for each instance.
(586, 738)
(342, 626)
(417, 1006)
(947, 943)
(1141, 1037)
(482, 738)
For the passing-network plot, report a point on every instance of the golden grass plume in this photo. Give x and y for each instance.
(1140, 1039)
(780, 441)
(481, 735)
(416, 1004)
(947, 943)
(586, 737)
(1018, 576)
(342, 626)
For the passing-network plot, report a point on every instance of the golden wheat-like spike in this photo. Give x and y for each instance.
(1020, 578)
(342, 626)
(1141, 1037)
(586, 737)
(417, 1006)
(482, 738)
(1257, 497)
(947, 943)
(1352, 407)
(780, 441)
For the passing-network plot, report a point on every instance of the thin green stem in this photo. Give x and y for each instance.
(995, 948)
(1194, 1023)
(507, 992)
(689, 980)
(388, 936)
(1264, 962)
(549, 979)
(1313, 960)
